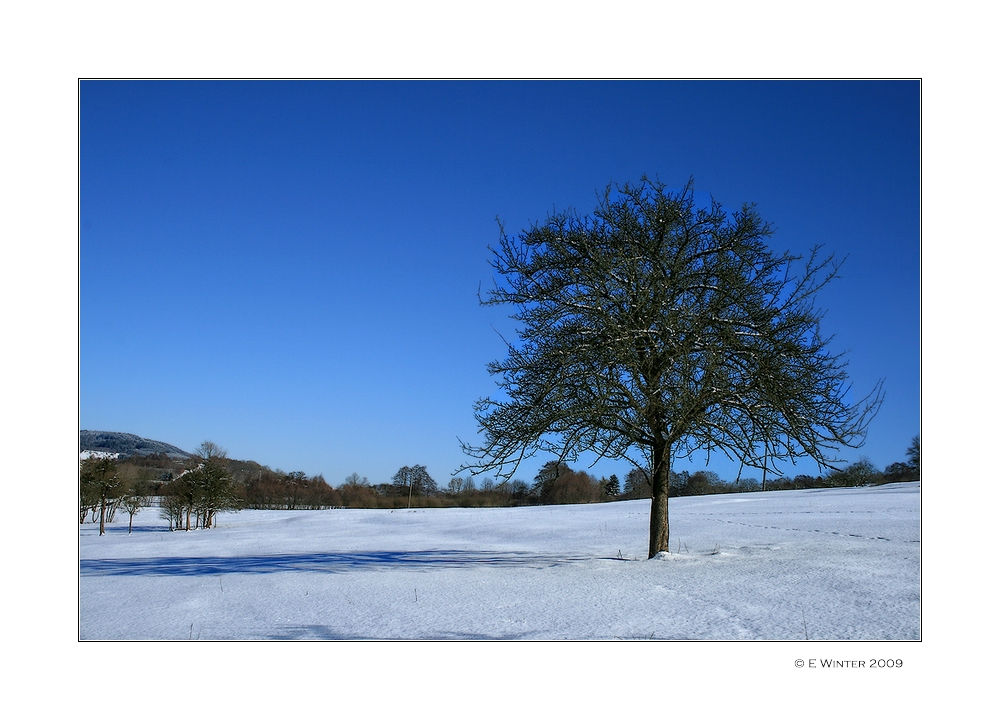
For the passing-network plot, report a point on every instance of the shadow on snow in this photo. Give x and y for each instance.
(324, 632)
(322, 562)
(123, 529)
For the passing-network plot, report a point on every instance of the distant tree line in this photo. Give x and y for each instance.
(190, 493)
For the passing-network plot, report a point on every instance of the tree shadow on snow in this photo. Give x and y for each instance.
(136, 529)
(322, 562)
(324, 632)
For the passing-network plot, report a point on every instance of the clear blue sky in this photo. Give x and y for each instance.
(290, 269)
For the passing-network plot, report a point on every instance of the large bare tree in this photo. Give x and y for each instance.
(657, 328)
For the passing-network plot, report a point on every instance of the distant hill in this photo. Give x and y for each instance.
(126, 444)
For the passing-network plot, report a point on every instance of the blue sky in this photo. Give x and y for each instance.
(290, 269)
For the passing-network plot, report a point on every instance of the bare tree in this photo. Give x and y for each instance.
(172, 507)
(655, 329)
(135, 498)
(637, 485)
(99, 481)
(213, 484)
(208, 450)
(913, 455)
(90, 499)
(415, 477)
(202, 490)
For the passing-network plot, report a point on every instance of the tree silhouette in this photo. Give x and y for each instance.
(657, 328)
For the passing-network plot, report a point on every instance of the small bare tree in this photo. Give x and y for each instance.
(414, 477)
(913, 455)
(99, 480)
(135, 498)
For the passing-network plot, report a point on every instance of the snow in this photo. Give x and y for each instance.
(827, 564)
(99, 454)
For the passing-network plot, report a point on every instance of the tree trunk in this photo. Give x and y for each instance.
(102, 515)
(659, 524)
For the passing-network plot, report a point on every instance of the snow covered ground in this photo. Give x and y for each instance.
(824, 564)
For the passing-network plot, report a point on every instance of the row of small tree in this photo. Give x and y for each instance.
(190, 493)
(276, 490)
(705, 482)
(197, 493)
(104, 490)
(557, 484)
(191, 496)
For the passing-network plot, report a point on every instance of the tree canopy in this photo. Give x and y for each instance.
(656, 328)
(100, 486)
(414, 478)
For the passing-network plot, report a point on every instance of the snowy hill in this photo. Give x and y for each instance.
(125, 444)
(829, 564)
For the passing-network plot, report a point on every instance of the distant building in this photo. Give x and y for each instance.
(100, 454)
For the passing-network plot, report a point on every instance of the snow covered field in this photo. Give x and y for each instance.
(824, 564)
